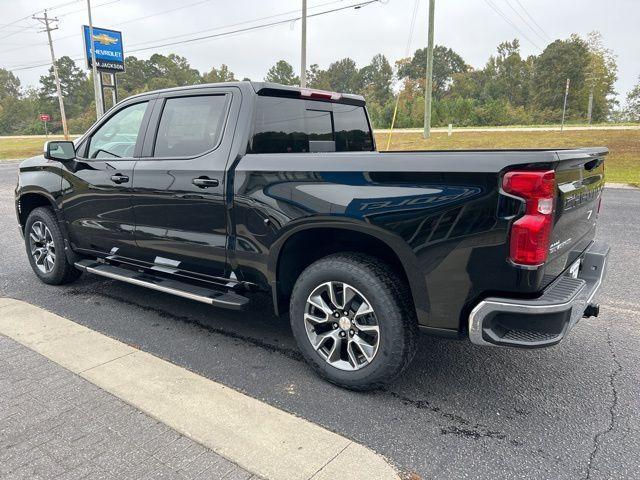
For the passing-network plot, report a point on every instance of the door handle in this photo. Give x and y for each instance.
(205, 182)
(119, 178)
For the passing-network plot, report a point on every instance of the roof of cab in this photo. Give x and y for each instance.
(267, 88)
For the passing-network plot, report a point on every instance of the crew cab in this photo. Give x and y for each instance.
(213, 192)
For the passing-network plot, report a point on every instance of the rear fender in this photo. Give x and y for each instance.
(405, 256)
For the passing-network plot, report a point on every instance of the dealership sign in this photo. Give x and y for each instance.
(108, 48)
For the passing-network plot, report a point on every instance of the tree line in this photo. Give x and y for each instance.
(508, 90)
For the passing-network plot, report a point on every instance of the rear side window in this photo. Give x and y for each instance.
(289, 125)
(351, 128)
(190, 126)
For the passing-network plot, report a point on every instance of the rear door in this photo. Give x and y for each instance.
(580, 180)
(97, 185)
(179, 183)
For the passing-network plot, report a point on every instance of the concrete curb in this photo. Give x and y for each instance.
(624, 186)
(258, 437)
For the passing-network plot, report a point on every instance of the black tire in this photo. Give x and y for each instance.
(62, 272)
(388, 295)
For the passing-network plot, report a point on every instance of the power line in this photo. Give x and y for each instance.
(208, 37)
(182, 7)
(508, 20)
(39, 63)
(407, 51)
(533, 19)
(27, 17)
(16, 21)
(17, 32)
(525, 21)
(23, 46)
(244, 22)
(255, 27)
(58, 39)
(412, 26)
(82, 10)
(61, 5)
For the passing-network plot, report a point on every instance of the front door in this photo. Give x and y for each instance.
(97, 185)
(178, 196)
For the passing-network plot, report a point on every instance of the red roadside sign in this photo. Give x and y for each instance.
(45, 117)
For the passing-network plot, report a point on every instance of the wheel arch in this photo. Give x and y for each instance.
(305, 243)
(28, 201)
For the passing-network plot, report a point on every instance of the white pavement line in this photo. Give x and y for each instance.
(260, 438)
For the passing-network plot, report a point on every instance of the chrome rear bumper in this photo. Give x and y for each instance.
(546, 320)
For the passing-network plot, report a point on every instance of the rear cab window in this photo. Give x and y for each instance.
(294, 125)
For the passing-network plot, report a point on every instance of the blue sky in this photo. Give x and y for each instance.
(471, 27)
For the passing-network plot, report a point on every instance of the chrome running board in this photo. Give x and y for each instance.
(217, 298)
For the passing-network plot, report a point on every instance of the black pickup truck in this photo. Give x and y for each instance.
(212, 192)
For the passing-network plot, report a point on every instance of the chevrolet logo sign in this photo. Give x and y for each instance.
(105, 39)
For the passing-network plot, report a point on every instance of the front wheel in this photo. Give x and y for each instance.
(353, 320)
(44, 243)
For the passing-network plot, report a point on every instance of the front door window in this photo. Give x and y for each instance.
(118, 136)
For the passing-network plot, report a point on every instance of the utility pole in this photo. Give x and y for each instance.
(564, 107)
(96, 80)
(48, 28)
(303, 48)
(428, 84)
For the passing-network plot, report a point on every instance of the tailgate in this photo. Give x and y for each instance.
(580, 180)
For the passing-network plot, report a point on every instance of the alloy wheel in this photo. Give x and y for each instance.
(43, 249)
(342, 326)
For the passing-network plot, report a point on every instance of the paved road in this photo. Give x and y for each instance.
(567, 412)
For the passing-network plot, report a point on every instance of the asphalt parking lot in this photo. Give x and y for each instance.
(568, 412)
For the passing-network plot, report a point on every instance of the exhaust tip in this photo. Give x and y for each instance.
(592, 310)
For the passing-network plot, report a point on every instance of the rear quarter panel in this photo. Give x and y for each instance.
(439, 211)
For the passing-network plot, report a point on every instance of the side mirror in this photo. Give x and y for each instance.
(60, 150)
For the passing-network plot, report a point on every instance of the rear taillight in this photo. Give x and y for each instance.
(531, 234)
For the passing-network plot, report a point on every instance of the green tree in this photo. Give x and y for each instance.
(633, 103)
(171, 71)
(135, 77)
(72, 78)
(317, 78)
(19, 115)
(561, 59)
(282, 72)
(343, 76)
(215, 75)
(76, 87)
(9, 84)
(376, 79)
(507, 75)
(446, 63)
(601, 76)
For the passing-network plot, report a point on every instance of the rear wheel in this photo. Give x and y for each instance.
(353, 321)
(45, 248)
